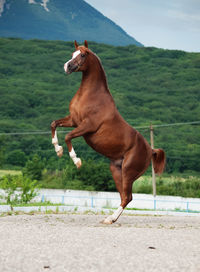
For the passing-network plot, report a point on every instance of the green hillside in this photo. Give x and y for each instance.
(148, 85)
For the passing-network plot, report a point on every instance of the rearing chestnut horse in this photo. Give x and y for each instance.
(94, 116)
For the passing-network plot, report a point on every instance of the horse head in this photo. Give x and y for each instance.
(78, 62)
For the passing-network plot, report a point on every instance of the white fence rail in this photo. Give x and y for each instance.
(112, 200)
(91, 199)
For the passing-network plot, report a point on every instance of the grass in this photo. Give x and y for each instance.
(166, 179)
(87, 212)
(175, 185)
(180, 184)
(9, 172)
(35, 204)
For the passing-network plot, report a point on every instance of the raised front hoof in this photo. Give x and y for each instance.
(60, 152)
(78, 163)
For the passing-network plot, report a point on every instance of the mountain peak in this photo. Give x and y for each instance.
(2, 4)
(43, 3)
(6, 5)
(59, 20)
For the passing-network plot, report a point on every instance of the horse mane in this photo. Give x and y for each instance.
(100, 66)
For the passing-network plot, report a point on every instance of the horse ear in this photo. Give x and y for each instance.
(76, 44)
(86, 44)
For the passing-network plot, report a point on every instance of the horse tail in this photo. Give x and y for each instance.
(158, 157)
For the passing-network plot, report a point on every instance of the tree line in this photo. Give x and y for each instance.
(149, 85)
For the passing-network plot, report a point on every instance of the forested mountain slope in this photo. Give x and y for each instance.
(59, 20)
(148, 85)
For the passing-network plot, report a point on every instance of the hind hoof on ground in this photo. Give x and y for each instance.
(107, 221)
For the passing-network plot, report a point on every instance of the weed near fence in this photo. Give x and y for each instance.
(18, 189)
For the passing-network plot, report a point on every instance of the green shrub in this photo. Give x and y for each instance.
(19, 189)
(28, 189)
(92, 173)
(16, 157)
(33, 168)
(9, 184)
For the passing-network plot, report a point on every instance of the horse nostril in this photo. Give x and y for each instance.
(69, 66)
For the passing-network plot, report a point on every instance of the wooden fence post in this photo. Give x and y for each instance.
(153, 172)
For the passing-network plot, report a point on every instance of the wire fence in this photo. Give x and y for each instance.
(40, 132)
(179, 157)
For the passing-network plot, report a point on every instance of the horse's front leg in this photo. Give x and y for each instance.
(85, 127)
(64, 122)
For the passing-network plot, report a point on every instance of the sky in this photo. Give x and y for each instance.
(168, 24)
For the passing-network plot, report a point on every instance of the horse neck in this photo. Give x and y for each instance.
(94, 78)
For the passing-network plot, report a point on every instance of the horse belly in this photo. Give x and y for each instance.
(108, 142)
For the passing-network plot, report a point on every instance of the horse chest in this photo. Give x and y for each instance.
(76, 110)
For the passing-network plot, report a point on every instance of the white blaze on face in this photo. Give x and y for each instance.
(74, 55)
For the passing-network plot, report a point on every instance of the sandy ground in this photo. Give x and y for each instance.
(72, 242)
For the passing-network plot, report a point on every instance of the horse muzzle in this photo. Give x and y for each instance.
(70, 67)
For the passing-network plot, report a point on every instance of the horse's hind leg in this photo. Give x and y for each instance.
(132, 168)
(135, 163)
(116, 170)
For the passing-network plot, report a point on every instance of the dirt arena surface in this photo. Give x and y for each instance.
(73, 242)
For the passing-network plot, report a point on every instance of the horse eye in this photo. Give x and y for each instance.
(82, 55)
